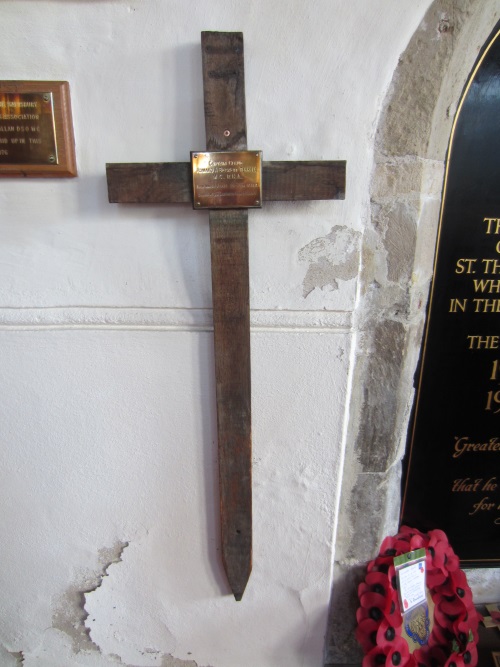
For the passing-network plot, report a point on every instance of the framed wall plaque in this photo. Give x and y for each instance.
(36, 129)
(453, 471)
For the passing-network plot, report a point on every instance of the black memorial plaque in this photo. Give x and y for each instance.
(453, 473)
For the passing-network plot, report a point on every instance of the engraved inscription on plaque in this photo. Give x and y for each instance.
(453, 473)
(227, 179)
(36, 129)
(27, 129)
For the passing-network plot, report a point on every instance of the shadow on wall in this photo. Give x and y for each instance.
(302, 642)
(341, 641)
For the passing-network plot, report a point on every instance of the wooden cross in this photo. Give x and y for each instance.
(172, 183)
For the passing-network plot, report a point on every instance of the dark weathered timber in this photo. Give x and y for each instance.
(230, 294)
(150, 183)
(171, 182)
(225, 126)
(302, 181)
(224, 91)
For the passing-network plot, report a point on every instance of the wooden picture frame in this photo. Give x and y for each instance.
(36, 129)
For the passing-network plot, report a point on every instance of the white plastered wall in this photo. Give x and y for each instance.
(108, 479)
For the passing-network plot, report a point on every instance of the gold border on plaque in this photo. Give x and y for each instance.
(227, 179)
(60, 160)
(417, 406)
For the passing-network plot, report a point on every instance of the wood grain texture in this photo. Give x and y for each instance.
(224, 91)
(302, 181)
(150, 183)
(171, 182)
(230, 295)
(225, 124)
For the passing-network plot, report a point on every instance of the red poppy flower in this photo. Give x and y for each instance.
(392, 612)
(470, 654)
(397, 655)
(421, 658)
(366, 633)
(374, 658)
(446, 620)
(457, 585)
(375, 582)
(388, 635)
(371, 600)
(443, 556)
(453, 608)
(418, 541)
(439, 636)
(387, 543)
(463, 628)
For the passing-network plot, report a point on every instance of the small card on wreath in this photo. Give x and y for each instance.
(410, 569)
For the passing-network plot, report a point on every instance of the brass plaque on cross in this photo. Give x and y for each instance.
(227, 179)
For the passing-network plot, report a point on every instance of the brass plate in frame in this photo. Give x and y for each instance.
(36, 130)
(27, 129)
(227, 179)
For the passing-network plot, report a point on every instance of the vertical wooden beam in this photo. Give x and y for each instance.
(225, 124)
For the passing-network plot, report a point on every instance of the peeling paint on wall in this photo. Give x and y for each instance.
(170, 661)
(331, 258)
(70, 614)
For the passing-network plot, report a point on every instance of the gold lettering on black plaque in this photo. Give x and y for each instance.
(36, 129)
(27, 128)
(227, 179)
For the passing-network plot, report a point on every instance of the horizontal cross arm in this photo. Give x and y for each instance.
(171, 182)
(303, 181)
(150, 183)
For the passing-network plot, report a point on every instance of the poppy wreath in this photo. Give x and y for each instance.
(453, 640)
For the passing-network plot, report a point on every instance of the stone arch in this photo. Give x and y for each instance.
(398, 246)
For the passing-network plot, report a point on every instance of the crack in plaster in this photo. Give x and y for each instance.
(70, 615)
(331, 258)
